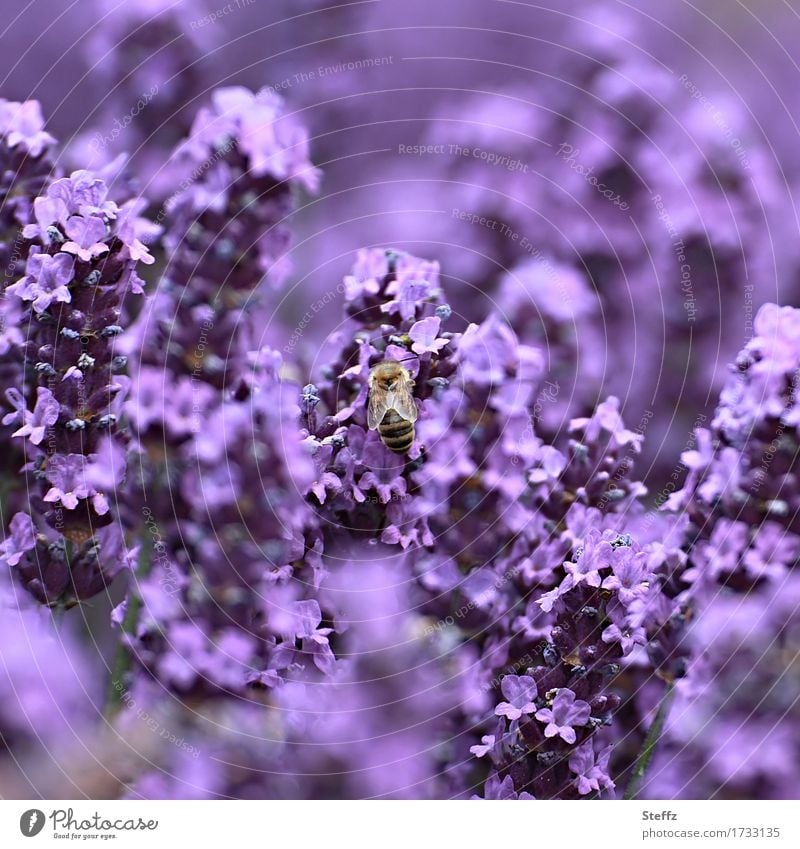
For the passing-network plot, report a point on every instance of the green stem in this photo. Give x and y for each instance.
(650, 743)
(122, 661)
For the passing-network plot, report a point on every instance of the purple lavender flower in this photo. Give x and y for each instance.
(371, 726)
(20, 540)
(381, 717)
(740, 485)
(491, 512)
(84, 237)
(230, 602)
(741, 546)
(47, 280)
(362, 487)
(591, 769)
(732, 729)
(49, 693)
(74, 305)
(557, 744)
(25, 164)
(237, 174)
(34, 423)
(50, 688)
(521, 693)
(22, 125)
(566, 711)
(228, 605)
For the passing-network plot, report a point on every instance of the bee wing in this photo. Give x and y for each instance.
(402, 401)
(377, 407)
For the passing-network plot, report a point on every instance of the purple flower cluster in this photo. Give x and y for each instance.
(490, 512)
(741, 491)
(732, 730)
(394, 311)
(740, 576)
(230, 600)
(81, 264)
(226, 236)
(25, 165)
(551, 739)
(382, 723)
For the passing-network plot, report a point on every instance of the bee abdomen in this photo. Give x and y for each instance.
(396, 433)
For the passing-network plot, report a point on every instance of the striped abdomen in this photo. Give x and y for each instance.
(397, 433)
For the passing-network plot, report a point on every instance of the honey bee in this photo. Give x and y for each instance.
(391, 410)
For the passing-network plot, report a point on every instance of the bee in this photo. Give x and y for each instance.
(391, 410)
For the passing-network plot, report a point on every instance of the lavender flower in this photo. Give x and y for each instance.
(229, 603)
(732, 730)
(370, 727)
(521, 693)
(504, 607)
(740, 491)
(394, 303)
(376, 729)
(72, 306)
(492, 511)
(742, 551)
(230, 599)
(25, 164)
(237, 174)
(557, 744)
